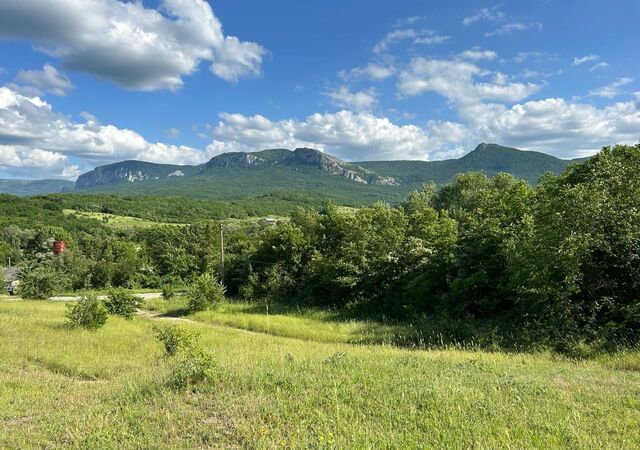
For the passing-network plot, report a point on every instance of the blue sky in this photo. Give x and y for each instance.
(89, 82)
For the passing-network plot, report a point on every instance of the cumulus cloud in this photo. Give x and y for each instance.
(372, 71)
(47, 80)
(457, 81)
(124, 42)
(358, 101)
(555, 126)
(29, 126)
(349, 135)
(611, 90)
(35, 162)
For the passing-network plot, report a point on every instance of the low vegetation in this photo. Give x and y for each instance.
(88, 312)
(112, 388)
(205, 293)
(122, 303)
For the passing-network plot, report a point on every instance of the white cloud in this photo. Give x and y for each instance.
(131, 45)
(611, 90)
(408, 21)
(476, 55)
(349, 135)
(359, 101)
(173, 133)
(492, 14)
(600, 65)
(424, 36)
(432, 39)
(372, 71)
(579, 60)
(509, 28)
(34, 162)
(535, 56)
(456, 81)
(47, 80)
(29, 126)
(554, 125)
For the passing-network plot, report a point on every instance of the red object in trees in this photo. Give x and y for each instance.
(59, 247)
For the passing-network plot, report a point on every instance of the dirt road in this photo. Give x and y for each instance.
(71, 298)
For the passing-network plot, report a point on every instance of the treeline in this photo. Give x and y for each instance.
(188, 210)
(489, 260)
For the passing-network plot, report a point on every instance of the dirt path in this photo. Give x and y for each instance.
(152, 315)
(71, 298)
(159, 316)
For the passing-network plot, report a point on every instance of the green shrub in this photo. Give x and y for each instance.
(205, 293)
(88, 312)
(38, 283)
(175, 339)
(191, 367)
(122, 303)
(190, 364)
(168, 291)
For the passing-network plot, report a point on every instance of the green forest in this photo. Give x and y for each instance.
(494, 262)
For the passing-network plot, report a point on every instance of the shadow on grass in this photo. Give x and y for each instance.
(178, 312)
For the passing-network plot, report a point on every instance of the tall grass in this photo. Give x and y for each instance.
(107, 389)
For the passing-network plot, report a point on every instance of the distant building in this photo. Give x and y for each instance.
(10, 278)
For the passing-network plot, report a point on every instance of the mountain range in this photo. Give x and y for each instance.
(249, 174)
(35, 187)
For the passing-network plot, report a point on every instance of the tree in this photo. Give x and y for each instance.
(38, 283)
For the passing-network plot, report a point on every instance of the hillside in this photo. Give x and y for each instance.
(241, 175)
(34, 187)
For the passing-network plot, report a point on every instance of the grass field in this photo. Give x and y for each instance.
(124, 222)
(107, 389)
(305, 324)
(114, 220)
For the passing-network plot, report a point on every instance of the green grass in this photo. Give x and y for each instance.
(105, 291)
(107, 389)
(115, 221)
(305, 324)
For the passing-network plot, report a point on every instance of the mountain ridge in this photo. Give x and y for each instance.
(35, 187)
(237, 175)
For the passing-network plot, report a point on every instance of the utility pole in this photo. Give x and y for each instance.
(221, 255)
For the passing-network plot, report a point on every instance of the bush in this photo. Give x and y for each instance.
(122, 303)
(88, 312)
(168, 292)
(205, 293)
(191, 367)
(190, 364)
(38, 283)
(175, 339)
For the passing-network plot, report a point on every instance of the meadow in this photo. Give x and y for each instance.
(108, 389)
